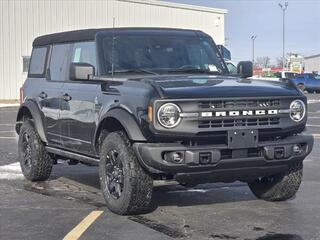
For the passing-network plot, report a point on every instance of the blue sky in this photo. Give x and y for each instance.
(264, 19)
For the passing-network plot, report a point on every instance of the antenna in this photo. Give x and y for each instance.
(112, 51)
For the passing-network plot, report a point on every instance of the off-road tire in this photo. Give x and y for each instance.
(137, 184)
(279, 187)
(41, 163)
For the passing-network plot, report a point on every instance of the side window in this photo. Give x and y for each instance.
(59, 63)
(84, 52)
(300, 76)
(38, 62)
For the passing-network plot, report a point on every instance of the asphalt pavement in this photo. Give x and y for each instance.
(71, 206)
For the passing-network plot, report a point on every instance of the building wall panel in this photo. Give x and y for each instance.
(23, 20)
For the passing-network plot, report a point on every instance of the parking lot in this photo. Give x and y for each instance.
(56, 209)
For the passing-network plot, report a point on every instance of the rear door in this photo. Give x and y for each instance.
(78, 112)
(46, 92)
(51, 102)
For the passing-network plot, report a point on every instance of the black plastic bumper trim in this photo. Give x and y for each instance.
(151, 156)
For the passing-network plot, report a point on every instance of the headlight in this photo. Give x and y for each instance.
(297, 110)
(169, 115)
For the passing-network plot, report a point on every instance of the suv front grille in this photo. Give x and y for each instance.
(242, 122)
(243, 104)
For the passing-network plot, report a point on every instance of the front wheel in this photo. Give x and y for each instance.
(126, 187)
(278, 187)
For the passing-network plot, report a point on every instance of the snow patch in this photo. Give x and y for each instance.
(11, 171)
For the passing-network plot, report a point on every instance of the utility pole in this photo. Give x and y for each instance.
(283, 8)
(253, 38)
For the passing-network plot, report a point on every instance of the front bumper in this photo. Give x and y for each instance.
(232, 164)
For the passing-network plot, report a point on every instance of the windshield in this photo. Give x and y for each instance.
(159, 54)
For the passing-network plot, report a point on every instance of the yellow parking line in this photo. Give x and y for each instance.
(82, 226)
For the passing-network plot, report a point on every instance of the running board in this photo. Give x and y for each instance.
(71, 155)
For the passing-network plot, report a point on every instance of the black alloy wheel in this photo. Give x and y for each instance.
(27, 151)
(114, 173)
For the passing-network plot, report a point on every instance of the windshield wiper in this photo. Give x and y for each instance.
(137, 70)
(193, 70)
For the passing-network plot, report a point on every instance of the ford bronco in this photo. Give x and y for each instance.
(151, 104)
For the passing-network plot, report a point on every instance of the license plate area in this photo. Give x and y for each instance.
(242, 139)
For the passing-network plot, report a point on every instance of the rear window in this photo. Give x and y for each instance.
(38, 62)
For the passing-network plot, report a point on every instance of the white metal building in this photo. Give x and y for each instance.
(23, 20)
(312, 64)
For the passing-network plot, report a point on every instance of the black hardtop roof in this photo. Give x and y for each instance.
(89, 34)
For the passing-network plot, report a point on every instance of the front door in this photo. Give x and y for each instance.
(78, 109)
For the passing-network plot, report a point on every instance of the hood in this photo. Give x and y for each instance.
(217, 86)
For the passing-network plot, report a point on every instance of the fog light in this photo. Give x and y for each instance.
(205, 157)
(175, 157)
(279, 152)
(297, 148)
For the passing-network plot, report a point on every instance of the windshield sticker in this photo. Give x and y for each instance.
(77, 54)
(212, 68)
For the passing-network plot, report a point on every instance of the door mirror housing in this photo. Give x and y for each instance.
(81, 71)
(245, 69)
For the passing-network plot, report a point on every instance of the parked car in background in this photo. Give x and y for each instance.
(307, 82)
(285, 74)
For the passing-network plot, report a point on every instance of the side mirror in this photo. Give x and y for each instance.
(245, 69)
(81, 71)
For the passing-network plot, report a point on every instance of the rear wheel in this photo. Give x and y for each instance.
(278, 187)
(35, 162)
(126, 187)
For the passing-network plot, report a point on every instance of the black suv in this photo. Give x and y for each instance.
(152, 103)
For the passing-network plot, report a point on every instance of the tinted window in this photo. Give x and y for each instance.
(84, 52)
(38, 61)
(311, 76)
(289, 75)
(59, 63)
(300, 76)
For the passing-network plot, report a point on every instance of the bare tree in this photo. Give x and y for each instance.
(263, 62)
(279, 62)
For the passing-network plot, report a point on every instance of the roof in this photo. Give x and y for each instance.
(313, 56)
(89, 34)
(178, 5)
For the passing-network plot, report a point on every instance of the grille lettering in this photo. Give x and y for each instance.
(259, 112)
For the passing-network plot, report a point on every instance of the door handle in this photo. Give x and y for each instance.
(43, 95)
(66, 97)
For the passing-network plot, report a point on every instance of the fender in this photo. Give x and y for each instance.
(126, 120)
(35, 112)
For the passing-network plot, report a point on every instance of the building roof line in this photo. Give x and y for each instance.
(178, 5)
(313, 56)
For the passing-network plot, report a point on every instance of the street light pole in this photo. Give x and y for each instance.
(283, 8)
(253, 38)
